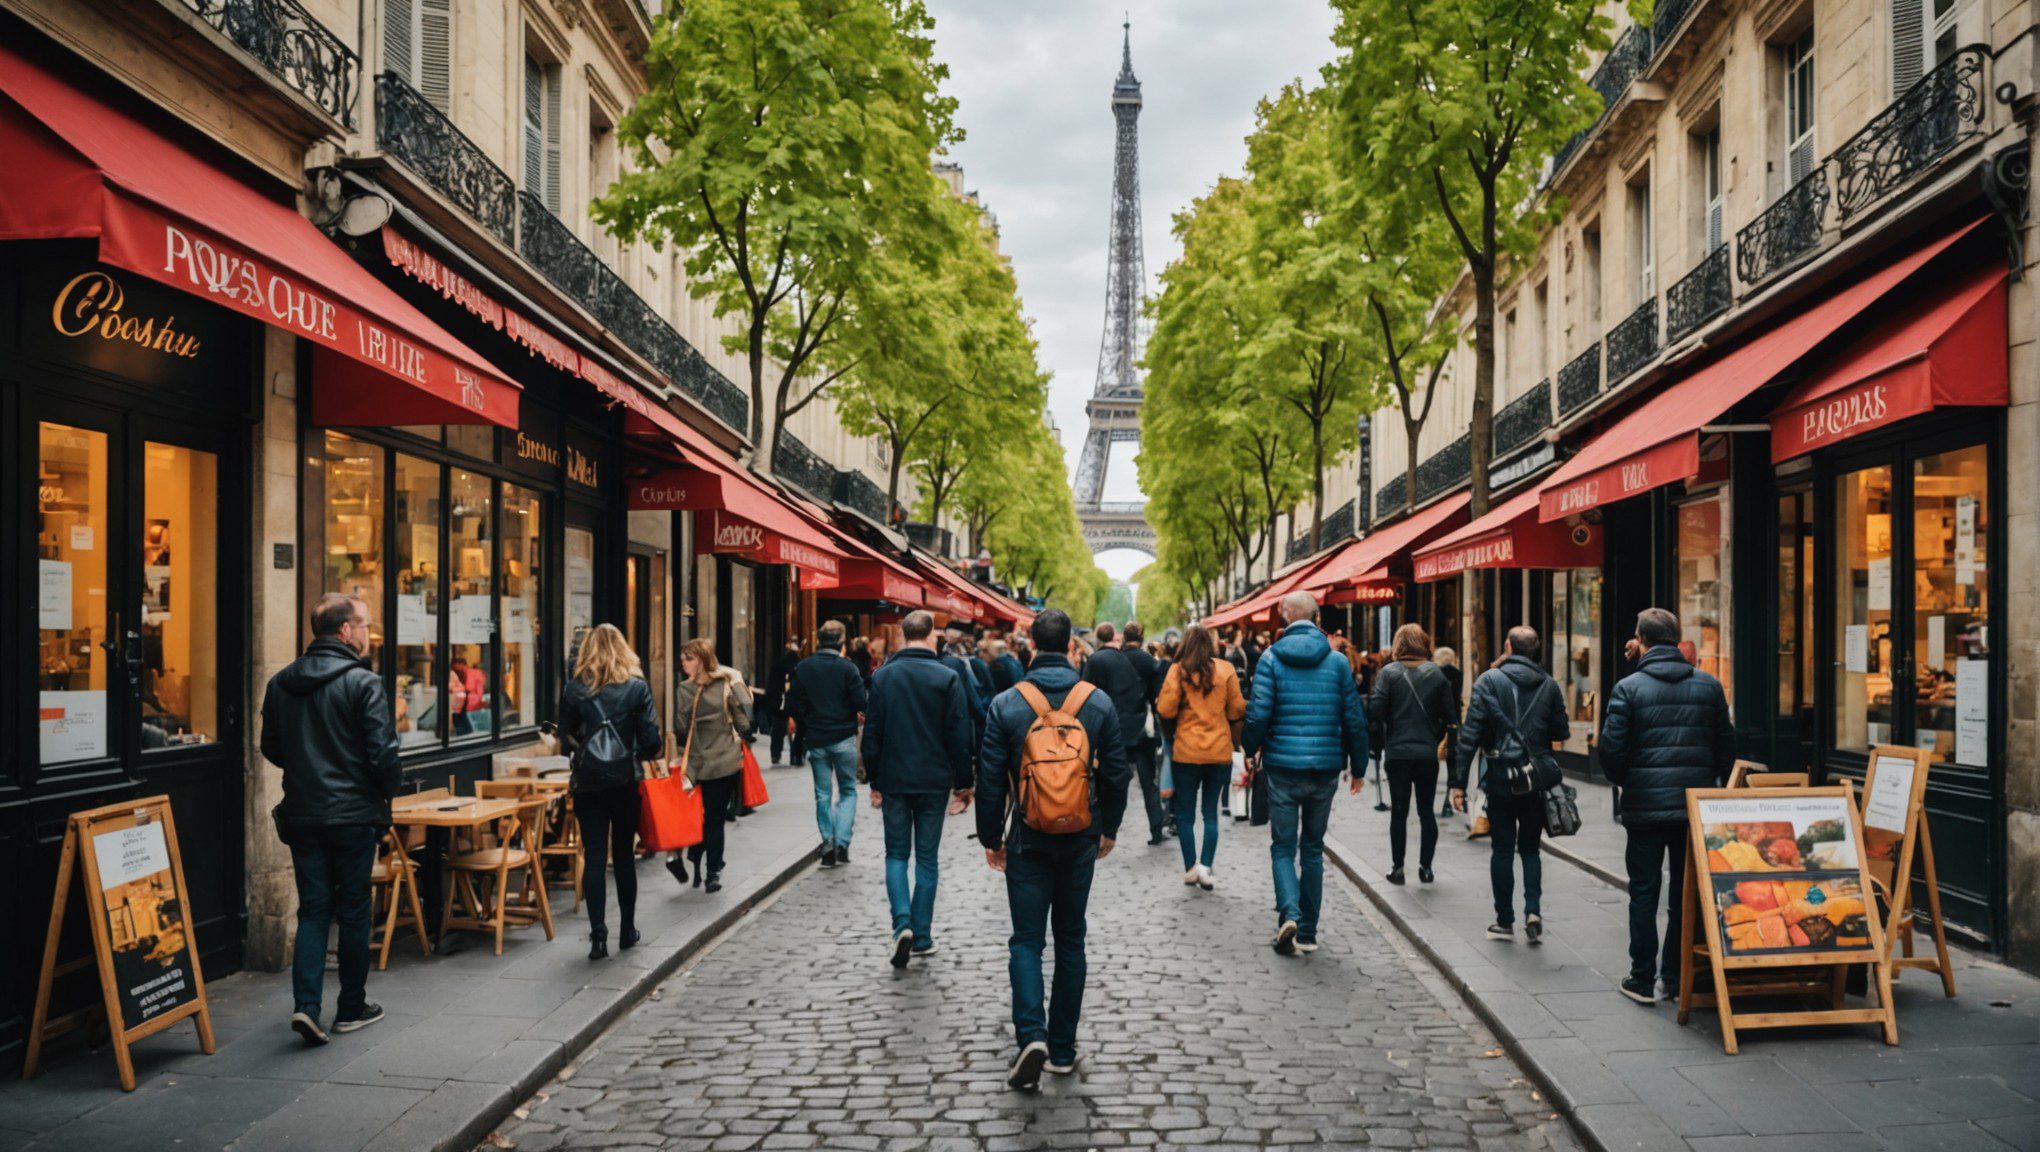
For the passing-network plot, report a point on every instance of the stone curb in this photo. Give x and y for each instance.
(491, 1115)
(1598, 872)
(1543, 1077)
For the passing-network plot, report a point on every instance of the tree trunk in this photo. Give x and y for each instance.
(1317, 485)
(1415, 432)
(1481, 434)
(892, 477)
(755, 355)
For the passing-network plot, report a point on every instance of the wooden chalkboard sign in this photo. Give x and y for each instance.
(1895, 834)
(1779, 881)
(126, 861)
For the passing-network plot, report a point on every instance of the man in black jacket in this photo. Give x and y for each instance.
(1666, 729)
(918, 742)
(1516, 694)
(1128, 675)
(1048, 876)
(825, 699)
(772, 710)
(326, 722)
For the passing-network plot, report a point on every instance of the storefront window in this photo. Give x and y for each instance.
(471, 624)
(1576, 651)
(180, 596)
(1704, 587)
(580, 589)
(743, 621)
(1951, 605)
(1863, 615)
(353, 545)
(421, 678)
(523, 604)
(71, 594)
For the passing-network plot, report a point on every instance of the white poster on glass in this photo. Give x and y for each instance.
(517, 621)
(1972, 712)
(414, 624)
(1884, 806)
(73, 725)
(1937, 642)
(53, 594)
(1965, 540)
(1880, 584)
(468, 620)
(1856, 648)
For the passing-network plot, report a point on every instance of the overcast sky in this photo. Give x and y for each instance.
(1033, 79)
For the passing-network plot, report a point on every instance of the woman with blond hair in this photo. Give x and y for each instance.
(1410, 711)
(606, 717)
(711, 711)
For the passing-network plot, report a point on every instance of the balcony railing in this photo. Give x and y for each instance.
(1942, 109)
(1298, 549)
(1633, 342)
(860, 492)
(1445, 469)
(1580, 380)
(798, 464)
(1339, 522)
(1787, 230)
(1389, 497)
(1521, 419)
(409, 128)
(296, 49)
(1665, 19)
(1625, 61)
(1698, 297)
(930, 538)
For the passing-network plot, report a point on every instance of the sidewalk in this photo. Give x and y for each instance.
(465, 1037)
(1966, 1075)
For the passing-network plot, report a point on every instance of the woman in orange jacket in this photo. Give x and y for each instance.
(1201, 706)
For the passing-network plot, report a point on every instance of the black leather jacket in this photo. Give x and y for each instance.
(326, 722)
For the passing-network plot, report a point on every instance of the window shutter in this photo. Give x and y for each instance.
(1908, 44)
(534, 144)
(1713, 226)
(435, 53)
(399, 19)
(552, 139)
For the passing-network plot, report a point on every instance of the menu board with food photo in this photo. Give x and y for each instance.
(1785, 874)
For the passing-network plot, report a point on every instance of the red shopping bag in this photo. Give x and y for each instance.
(751, 789)
(670, 813)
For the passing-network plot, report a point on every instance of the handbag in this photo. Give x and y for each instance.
(670, 813)
(1561, 810)
(751, 791)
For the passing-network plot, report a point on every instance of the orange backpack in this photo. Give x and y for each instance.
(1054, 791)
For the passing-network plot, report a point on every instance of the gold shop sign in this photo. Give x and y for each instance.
(93, 306)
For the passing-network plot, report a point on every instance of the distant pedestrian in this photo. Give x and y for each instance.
(1666, 730)
(826, 698)
(1007, 666)
(918, 749)
(710, 714)
(1203, 708)
(978, 674)
(1448, 662)
(1126, 674)
(1411, 711)
(772, 707)
(1052, 746)
(607, 719)
(1306, 723)
(1515, 719)
(326, 722)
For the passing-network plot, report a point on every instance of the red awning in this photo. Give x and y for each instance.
(868, 574)
(746, 519)
(1947, 351)
(1509, 536)
(1374, 586)
(1388, 549)
(1254, 604)
(1658, 443)
(78, 167)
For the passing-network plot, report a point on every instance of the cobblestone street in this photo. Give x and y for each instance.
(793, 1032)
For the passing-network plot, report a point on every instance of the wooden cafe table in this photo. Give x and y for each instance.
(440, 815)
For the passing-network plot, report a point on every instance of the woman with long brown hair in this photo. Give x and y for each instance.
(1201, 707)
(606, 717)
(711, 711)
(1410, 713)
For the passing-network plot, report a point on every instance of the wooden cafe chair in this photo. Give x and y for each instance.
(394, 881)
(480, 878)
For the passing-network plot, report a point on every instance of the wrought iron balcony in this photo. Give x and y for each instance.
(1625, 61)
(1338, 522)
(1389, 497)
(1521, 419)
(1298, 549)
(1698, 297)
(930, 538)
(1665, 19)
(860, 492)
(1941, 110)
(1787, 230)
(798, 464)
(1445, 469)
(409, 128)
(296, 49)
(1633, 342)
(1580, 380)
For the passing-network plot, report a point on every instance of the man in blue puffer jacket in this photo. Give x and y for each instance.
(1306, 723)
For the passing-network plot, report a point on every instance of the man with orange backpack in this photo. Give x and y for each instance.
(1052, 748)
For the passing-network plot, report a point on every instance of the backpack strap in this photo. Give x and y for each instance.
(1034, 698)
(1079, 695)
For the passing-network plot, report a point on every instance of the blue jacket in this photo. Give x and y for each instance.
(999, 760)
(1306, 714)
(1666, 730)
(1006, 672)
(917, 727)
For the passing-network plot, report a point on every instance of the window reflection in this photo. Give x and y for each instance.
(1862, 599)
(420, 676)
(71, 605)
(353, 545)
(1704, 587)
(471, 624)
(1951, 609)
(523, 563)
(179, 596)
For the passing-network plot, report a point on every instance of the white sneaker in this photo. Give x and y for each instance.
(1063, 1069)
(1191, 877)
(1285, 938)
(902, 944)
(1025, 1072)
(1205, 879)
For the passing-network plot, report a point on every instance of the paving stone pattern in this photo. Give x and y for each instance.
(794, 1032)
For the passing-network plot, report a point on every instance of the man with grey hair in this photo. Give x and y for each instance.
(326, 721)
(1514, 719)
(1666, 729)
(1306, 723)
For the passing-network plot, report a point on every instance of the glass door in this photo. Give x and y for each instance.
(1793, 729)
(82, 635)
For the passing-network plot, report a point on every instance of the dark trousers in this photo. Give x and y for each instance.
(1211, 781)
(1418, 777)
(717, 797)
(1142, 752)
(333, 864)
(1650, 846)
(1516, 826)
(609, 824)
(775, 723)
(1049, 885)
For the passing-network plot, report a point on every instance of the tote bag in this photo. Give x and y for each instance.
(670, 813)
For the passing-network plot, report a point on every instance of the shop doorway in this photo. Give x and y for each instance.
(645, 622)
(1793, 728)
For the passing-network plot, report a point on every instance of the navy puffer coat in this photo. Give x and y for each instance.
(1666, 730)
(1306, 714)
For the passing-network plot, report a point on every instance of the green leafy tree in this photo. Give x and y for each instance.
(1404, 273)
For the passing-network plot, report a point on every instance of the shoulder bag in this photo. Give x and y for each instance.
(670, 812)
(751, 791)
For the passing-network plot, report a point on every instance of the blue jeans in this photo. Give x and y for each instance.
(333, 864)
(1049, 884)
(913, 825)
(835, 771)
(1515, 825)
(1190, 779)
(1300, 801)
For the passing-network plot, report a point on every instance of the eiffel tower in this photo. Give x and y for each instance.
(1114, 409)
